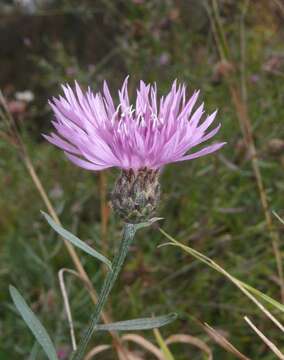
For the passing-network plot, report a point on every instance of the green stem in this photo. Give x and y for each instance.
(128, 236)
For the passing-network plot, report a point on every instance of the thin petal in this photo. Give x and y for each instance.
(57, 141)
(84, 164)
(208, 150)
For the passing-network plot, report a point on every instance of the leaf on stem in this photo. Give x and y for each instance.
(67, 235)
(33, 323)
(138, 324)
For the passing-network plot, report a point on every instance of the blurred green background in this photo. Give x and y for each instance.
(211, 204)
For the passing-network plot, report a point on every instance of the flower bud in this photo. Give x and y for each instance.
(136, 194)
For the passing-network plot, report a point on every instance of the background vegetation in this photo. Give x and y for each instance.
(212, 204)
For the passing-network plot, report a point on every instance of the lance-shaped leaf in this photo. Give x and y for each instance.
(33, 323)
(67, 235)
(138, 324)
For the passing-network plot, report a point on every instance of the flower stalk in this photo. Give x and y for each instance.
(118, 261)
(139, 138)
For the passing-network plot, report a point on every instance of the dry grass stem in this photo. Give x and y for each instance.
(190, 340)
(222, 341)
(271, 346)
(96, 350)
(147, 345)
(66, 303)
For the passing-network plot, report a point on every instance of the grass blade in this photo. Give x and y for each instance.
(76, 241)
(270, 344)
(139, 324)
(222, 341)
(263, 296)
(245, 288)
(164, 347)
(33, 323)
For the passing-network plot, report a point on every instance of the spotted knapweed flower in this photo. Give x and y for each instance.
(139, 138)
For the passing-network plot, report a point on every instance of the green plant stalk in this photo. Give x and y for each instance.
(118, 261)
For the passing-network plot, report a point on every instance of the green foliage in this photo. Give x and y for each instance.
(74, 240)
(138, 324)
(165, 350)
(33, 323)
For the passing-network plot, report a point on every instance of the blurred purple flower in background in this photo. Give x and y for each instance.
(96, 135)
(164, 59)
(254, 78)
(63, 353)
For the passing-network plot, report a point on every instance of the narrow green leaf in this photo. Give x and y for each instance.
(263, 296)
(33, 323)
(138, 324)
(163, 346)
(76, 241)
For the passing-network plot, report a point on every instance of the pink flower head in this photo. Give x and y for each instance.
(95, 134)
